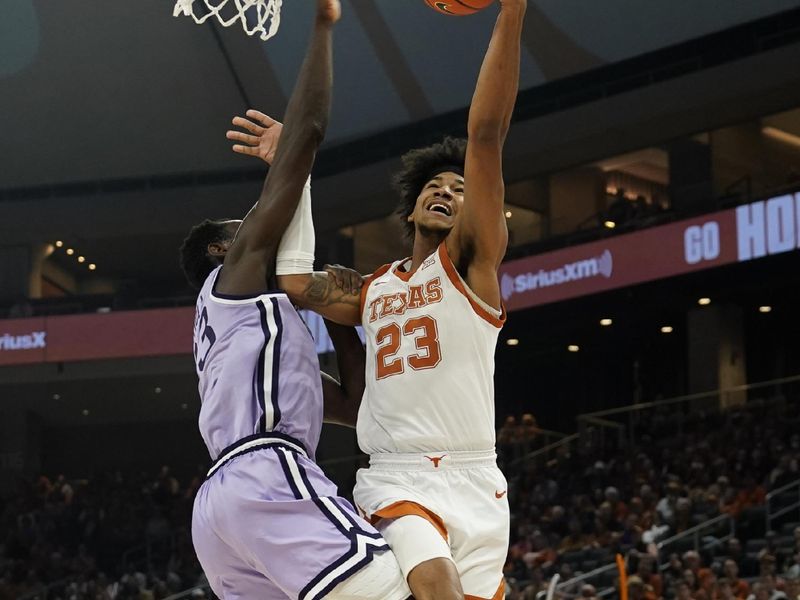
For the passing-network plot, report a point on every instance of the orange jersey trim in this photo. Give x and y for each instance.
(403, 275)
(456, 280)
(367, 281)
(498, 595)
(405, 508)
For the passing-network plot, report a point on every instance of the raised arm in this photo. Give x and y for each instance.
(478, 242)
(335, 293)
(249, 263)
(343, 398)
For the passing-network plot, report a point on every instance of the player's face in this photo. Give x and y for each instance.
(439, 203)
(220, 249)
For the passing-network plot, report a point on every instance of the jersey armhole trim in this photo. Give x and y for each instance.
(461, 286)
(238, 299)
(367, 282)
(407, 508)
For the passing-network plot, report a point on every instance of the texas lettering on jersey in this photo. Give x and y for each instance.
(417, 296)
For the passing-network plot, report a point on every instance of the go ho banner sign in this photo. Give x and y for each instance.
(737, 235)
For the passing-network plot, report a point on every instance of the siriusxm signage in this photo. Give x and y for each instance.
(597, 266)
(32, 341)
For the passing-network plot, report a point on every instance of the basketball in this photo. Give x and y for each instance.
(458, 8)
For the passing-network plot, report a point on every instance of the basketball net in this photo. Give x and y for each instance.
(258, 17)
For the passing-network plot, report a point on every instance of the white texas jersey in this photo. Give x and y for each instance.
(430, 361)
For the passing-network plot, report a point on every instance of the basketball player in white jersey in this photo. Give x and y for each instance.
(431, 322)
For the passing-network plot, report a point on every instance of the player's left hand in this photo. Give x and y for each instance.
(263, 142)
(347, 280)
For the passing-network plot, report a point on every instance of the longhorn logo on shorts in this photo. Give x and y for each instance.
(436, 460)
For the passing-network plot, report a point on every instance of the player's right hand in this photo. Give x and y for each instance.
(263, 142)
(329, 11)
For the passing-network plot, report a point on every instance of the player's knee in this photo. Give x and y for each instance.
(435, 579)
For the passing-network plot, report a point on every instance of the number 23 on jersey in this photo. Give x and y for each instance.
(427, 354)
(204, 338)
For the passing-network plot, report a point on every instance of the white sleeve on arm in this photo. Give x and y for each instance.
(296, 250)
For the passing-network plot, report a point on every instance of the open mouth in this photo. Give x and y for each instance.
(440, 208)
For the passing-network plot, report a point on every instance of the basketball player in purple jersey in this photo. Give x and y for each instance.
(267, 523)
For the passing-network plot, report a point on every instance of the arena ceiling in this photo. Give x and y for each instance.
(113, 114)
(98, 90)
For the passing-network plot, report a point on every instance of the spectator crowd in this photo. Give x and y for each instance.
(116, 537)
(574, 509)
(127, 537)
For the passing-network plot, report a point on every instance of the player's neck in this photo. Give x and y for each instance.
(425, 244)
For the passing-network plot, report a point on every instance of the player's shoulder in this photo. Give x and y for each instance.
(379, 275)
(382, 272)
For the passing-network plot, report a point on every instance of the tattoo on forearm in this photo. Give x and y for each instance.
(322, 290)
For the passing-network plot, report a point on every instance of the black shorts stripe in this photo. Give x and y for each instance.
(342, 577)
(288, 473)
(306, 480)
(348, 514)
(320, 504)
(352, 535)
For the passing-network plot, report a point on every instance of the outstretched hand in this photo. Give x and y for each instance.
(329, 11)
(262, 141)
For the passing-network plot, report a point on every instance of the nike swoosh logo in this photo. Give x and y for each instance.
(499, 495)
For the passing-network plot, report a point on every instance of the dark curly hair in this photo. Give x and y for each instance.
(195, 259)
(419, 166)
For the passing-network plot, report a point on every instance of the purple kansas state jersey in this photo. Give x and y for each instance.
(267, 523)
(258, 369)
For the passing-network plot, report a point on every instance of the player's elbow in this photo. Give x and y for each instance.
(315, 129)
(314, 120)
(308, 132)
